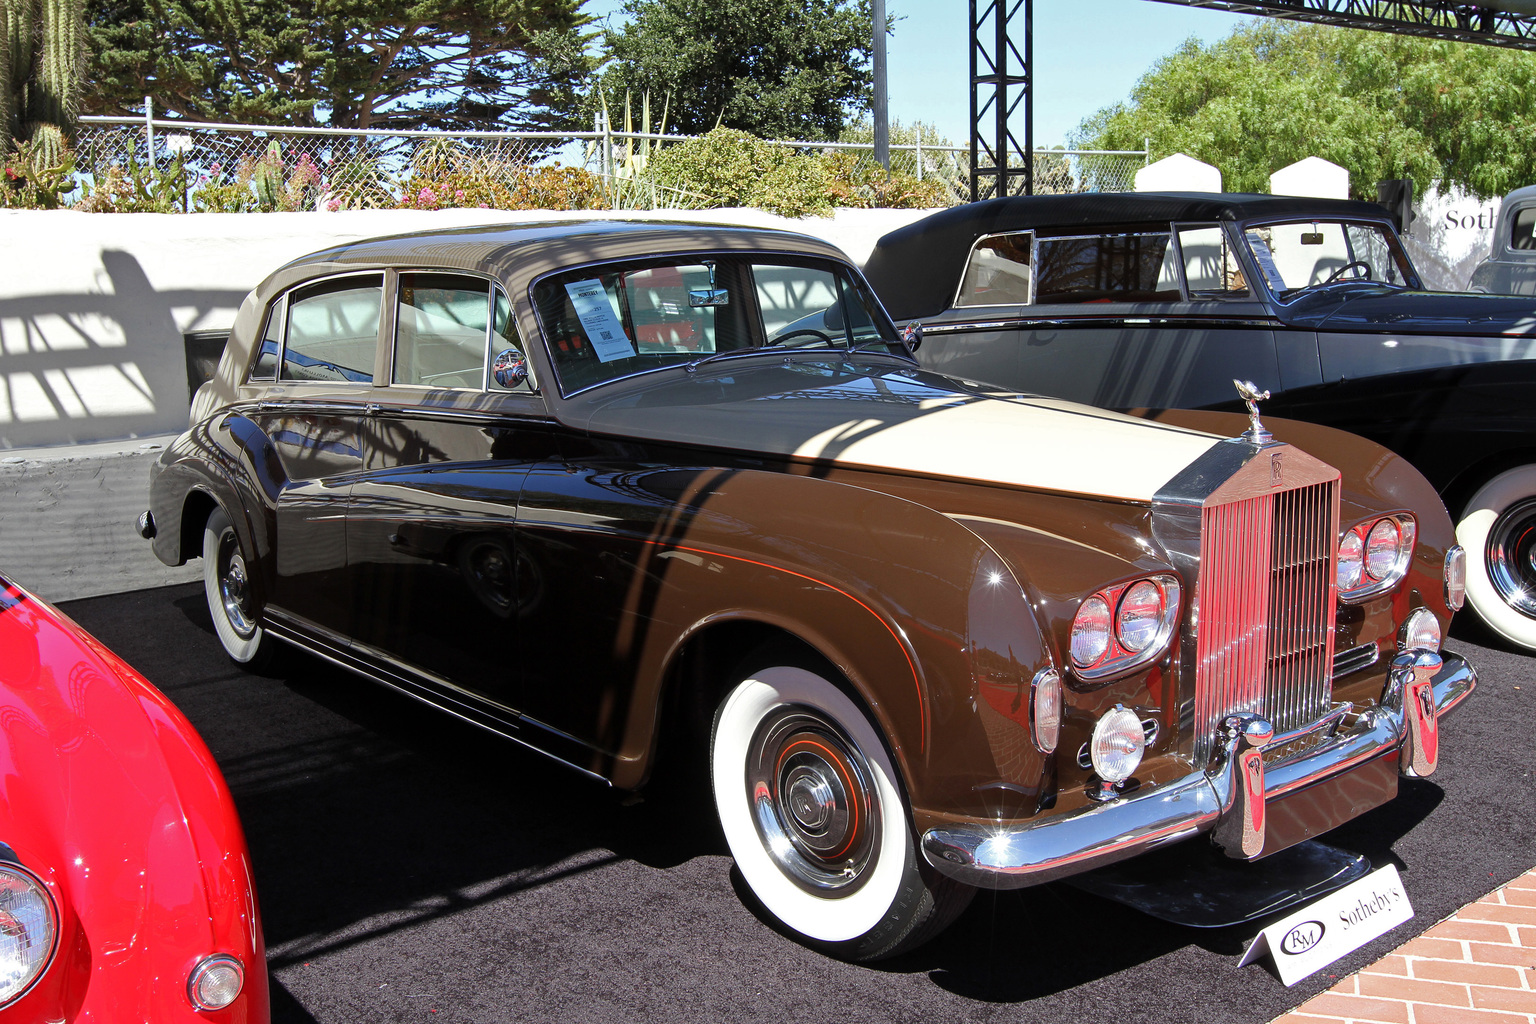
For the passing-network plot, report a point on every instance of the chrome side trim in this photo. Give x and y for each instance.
(1006, 855)
(287, 629)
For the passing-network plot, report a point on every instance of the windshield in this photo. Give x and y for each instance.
(1312, 254)
(616, 320)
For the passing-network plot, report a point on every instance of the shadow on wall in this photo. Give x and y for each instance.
(92, 367)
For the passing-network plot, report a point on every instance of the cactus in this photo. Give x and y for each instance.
(62, 64)
(268, 178)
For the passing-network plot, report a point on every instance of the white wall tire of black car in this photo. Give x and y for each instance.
(226, 585)
(1498, 531)
(814, 815)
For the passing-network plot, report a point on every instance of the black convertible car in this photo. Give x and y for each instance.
(1151, 301)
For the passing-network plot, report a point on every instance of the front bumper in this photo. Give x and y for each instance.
(1228, 798)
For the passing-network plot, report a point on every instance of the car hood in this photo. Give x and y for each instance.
(1378, 308)
(878, 414)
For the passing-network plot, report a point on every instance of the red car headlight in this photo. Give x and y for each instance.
(29, 930)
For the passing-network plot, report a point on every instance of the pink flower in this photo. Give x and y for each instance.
(216, 168)
(333, 205)
(458, 195)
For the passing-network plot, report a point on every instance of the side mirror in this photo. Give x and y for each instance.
(912, 336)
(509, 368)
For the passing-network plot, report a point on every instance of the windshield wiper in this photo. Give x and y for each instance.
(729, 353)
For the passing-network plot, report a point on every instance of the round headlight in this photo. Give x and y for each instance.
(215, 982)
(1381, 549)
(1117, 744)
(29, 928)
(1351, 561)
(1090, 631)
(1422, 631)
(1140, 616)
(1046, 709)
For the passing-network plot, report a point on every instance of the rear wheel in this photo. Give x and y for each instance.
(1498, 530)
(231, 603)
(812, 812)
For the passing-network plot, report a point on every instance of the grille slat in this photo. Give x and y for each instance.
(1265, 610)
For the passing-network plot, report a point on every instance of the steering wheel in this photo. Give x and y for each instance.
(781, 339)
(1361, 264)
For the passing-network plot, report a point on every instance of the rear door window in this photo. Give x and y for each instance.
(333, 330)
(1211, 267)
(1130, 267)
(1522, 234)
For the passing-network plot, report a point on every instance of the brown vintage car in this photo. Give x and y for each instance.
(595, 485)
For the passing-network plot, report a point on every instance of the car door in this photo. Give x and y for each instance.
(319, 351)
(431, 533)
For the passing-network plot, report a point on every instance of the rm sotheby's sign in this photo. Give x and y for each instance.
(1339, 923)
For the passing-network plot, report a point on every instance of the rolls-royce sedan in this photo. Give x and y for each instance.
(602, 487)
(1152, 301)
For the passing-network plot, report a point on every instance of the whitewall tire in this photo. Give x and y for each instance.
(231, 603)
(813, 813)
(1498, 530)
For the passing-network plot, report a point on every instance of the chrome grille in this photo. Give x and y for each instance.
(1264, 627)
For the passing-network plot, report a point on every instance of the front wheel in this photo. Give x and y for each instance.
(1498, 530)
(812, 812)
(231, 603)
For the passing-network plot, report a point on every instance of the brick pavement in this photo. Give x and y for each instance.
(1478, 966)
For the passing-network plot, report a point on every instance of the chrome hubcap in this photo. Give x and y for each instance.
(813, 801)
(1511, 557)
(234, 586)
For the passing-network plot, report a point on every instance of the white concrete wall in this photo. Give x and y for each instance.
(93, 306)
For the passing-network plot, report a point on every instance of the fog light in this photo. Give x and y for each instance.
(28, 931)
(1045, 710)
(1421, 632)
(1117, 745)
(1456, 577)
(215, 982)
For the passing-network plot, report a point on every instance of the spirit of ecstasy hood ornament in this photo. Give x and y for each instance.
(1251, 395)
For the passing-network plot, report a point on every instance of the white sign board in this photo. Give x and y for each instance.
(1341, 922)
(599, 320)
(178, 143)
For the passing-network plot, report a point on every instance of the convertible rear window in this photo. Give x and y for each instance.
(614, 321)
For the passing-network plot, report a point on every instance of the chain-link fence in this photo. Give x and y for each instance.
(305, 168)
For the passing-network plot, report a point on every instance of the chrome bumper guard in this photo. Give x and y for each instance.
(1227, 799)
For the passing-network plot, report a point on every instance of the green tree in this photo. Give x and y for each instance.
(466, 64)
(776, 68)
(1380, 105)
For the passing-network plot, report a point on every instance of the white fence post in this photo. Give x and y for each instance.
(149, 128)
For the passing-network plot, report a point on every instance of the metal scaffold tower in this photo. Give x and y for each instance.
(1002, 88)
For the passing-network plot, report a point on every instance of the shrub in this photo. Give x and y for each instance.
(852, 181)
(133, 188)
(733, 168)
(39, 172)
(494, 184)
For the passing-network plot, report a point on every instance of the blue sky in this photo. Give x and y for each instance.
(1088, 54)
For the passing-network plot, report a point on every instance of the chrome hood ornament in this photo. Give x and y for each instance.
(1251, 396)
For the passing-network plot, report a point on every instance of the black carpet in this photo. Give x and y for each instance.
(411, 867)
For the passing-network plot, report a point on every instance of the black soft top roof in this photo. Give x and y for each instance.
(916, 269)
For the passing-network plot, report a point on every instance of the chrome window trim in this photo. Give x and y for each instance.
(1237, 254)
(955, 303)
(383, 274)
(853, 273)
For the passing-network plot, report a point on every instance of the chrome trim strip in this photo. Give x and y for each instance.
(289, 632)
(1015, 855)
(1025, 323)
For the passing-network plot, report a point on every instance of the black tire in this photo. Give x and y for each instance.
(231, 603)
(814, 814)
